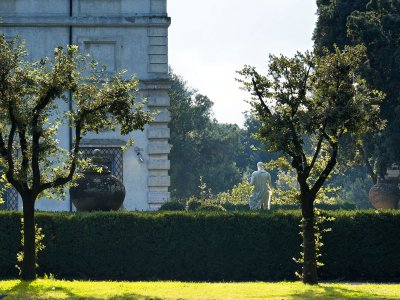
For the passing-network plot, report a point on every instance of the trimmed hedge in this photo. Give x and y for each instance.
(205, 246)
(10, 242)
(172, 206)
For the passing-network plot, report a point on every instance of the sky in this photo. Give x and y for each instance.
(209, 40)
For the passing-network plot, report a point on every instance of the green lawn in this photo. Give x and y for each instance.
(56, 289)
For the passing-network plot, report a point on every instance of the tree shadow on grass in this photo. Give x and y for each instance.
(329, 292)
(25, 290)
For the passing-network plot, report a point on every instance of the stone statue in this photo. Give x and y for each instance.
(261, 180)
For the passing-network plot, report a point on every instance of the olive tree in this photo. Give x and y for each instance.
(31, 158)
(311, 102)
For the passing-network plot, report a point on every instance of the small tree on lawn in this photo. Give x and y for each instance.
(31, 94)
(311, 102)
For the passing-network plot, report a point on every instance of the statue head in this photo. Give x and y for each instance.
(260, 166)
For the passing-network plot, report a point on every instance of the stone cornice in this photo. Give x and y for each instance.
(85, 21)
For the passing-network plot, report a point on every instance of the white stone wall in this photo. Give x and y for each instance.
(123, 34)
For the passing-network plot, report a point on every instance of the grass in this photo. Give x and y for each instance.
(58, 289)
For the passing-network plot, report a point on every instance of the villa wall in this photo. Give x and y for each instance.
(122, 34)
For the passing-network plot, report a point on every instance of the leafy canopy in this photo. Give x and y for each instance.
(376, 24)
(308, 103)
(34, 103)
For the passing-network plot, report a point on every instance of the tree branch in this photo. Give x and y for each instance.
(260, 97)
(36, 134)
(317, 151)
(59, 181)
(25, 161)
(328, 169)
(86, 112)
(51, 93)
(3, 148)
(303, 90)
(21, 188)
(35, 155)
(10, 172)
(370, 169)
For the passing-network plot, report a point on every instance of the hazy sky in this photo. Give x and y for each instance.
(211, 39)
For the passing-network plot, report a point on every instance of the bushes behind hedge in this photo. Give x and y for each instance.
(205, 246)
(194, 204)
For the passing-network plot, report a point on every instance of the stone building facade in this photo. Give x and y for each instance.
(122, 34)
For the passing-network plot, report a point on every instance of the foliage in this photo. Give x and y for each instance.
(287, 191)
(285, 196)
(31, 98)
(206, 246)
(378, 29)
(320, 227)
(311, 99)
(172, 206)
(229, 200)
(39, 236)
(331, 26)
(239, 194)
(374, 23)
(31, 114)
(193, 204)
(201, 147)
(309, 102)
(355, 190)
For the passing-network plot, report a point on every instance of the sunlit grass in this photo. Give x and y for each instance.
(57, 289)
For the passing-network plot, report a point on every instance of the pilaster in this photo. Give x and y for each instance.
(158, 135)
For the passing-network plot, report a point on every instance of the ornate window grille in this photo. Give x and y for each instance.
(112, 158)
(10, 200)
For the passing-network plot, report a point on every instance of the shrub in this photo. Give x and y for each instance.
(245, 207)
(204, 246)
(355, 190)
(235, 207)
(193, 204)
(172, 206)
(239, 194)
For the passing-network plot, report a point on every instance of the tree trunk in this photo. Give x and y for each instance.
(309, 250)
(29, 261)
(369, 167)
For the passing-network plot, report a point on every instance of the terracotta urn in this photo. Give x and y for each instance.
(385, 194)
(97, 191)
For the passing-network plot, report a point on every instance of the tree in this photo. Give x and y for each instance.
(378, 28)
(201, 147)
(30, 115)
(374, 23)
(331, 26)
(312, 99)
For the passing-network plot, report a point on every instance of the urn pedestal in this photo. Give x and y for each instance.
(97, 191)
